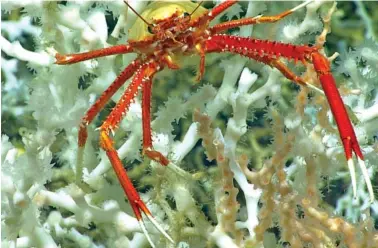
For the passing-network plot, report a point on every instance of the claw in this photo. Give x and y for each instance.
(301, 5)
(159, 227)
(145, 210)
(347, 134)
(352, 172)
(143, 227)
(356, 149)
(139, 208)
(365, 174)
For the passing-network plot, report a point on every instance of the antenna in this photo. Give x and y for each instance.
(149, 24)
(196, 8)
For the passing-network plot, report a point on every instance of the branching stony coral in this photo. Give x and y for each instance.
(269, 182)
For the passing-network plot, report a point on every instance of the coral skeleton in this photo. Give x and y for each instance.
(255, 160)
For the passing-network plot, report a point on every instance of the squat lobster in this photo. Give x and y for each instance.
(165, 32)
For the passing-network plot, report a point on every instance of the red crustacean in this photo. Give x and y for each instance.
(164, 33)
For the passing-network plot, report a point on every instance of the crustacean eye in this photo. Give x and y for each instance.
(150, 29)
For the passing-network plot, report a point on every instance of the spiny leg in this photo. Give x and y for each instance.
(95, 109)
(237, 23)
(280, 66)
(147, 137)
(257, 48)
(146, 121)
(347, 134)
(262, 49)
(219, 9)
(207, 18)
(285, 71)
(147, 140)
(255, 20)
(106, 143)
(64, 59)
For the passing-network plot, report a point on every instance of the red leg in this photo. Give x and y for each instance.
(253, 48)
(143, 75)
(220, 8)
(347, 134)
(96, 108)
(339, 112)
(64, 59)
(280, 66)
(146, 120)
(267, 52)
(254, 20)
(284, 70)
(215, 12)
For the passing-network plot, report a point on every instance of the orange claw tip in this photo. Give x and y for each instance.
(62, 59)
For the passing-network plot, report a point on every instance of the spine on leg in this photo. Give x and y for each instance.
(257, 48)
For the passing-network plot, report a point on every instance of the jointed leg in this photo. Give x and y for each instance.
(201, 53)
(146, 120)
(347, 134)
(142, 75)
(254, 20)
(220, 8)
(268, 52)
(281, 67)
(96, 108)
(216, 11)
(64, 59)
